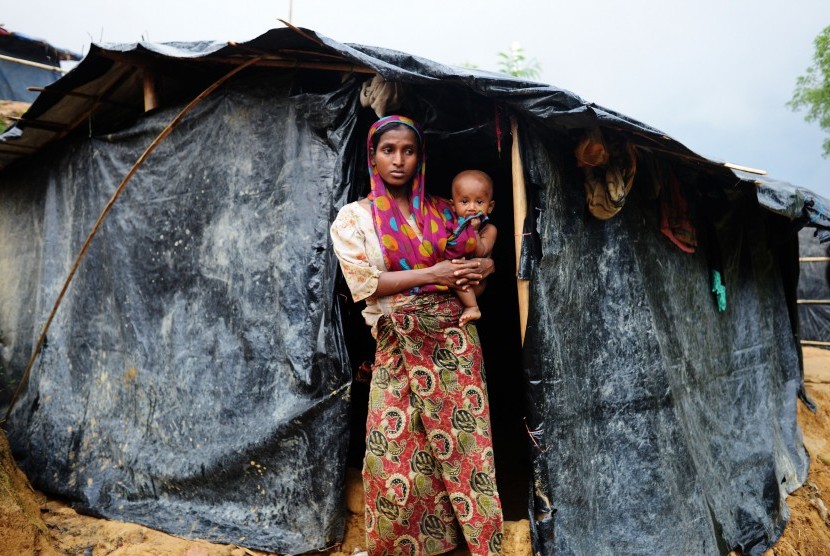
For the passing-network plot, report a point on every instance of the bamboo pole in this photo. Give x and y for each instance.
(161, 136)
(151, 99)
(32, 64)
(698, 158)
(39, 124)
(814, 343)
(78, 95)
(519, 214)
(813, 301)
(744, 168)
(814, 259)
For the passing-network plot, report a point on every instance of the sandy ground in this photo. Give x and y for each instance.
(32, 524)
(808, 532)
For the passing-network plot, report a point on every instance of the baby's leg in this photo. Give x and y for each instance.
(471, 311)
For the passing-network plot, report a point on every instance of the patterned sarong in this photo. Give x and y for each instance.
(428, 473)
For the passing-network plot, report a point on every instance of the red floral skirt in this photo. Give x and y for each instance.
(428, 473)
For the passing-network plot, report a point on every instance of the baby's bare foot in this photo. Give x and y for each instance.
(469, 314)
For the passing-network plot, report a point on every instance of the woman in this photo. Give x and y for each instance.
(428, 473)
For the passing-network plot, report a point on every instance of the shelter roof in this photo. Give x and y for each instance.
(108, 85)
(31, 48)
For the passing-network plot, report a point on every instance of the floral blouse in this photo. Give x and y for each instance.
(357, 248)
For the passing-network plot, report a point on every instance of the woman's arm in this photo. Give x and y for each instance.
(457, 274)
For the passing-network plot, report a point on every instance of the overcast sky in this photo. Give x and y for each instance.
(713, 74)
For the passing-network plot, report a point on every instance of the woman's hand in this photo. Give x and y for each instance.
(462, 273)
(486, 266)
(458, 274)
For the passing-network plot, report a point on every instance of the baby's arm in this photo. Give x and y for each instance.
(486, 240)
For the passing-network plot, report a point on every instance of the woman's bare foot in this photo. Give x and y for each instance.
(469, 314)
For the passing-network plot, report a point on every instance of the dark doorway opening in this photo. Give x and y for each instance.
(498, 329)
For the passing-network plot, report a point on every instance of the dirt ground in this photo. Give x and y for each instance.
(808, 532)
(32, 524)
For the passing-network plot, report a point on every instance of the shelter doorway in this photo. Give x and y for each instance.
(498, 328)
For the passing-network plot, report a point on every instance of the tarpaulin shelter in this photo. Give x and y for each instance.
(197, 377)
(27, 62)
(813, 291)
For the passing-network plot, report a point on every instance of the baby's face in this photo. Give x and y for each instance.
(471, 196)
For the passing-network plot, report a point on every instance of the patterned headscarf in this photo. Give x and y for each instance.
(402, 250)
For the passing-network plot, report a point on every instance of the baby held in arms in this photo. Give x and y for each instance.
(472, 201)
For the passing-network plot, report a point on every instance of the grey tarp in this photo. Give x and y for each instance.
(196, 376)
(17, 77)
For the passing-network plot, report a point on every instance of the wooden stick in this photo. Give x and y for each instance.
(813, 301)
(39, 124)
(151, 99)
(699, 159)
(78, 95)
(161, 136)
(519, 214)
(744, 168)
(33, 64)
(292, 51)
(301, 32)
(279, 62)
(814, 259)
(814, 343)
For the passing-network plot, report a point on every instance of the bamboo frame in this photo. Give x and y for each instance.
(813, 301)
(814, 259)
(519, 214)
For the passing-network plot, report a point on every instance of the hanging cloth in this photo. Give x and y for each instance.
(675, 221)
(609, 166)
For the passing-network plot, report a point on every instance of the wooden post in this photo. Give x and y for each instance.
(151, 99)
(519, 213)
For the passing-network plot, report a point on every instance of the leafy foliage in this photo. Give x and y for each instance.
(515, 63)
(812, 90)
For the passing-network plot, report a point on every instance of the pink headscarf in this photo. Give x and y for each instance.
(401, 247)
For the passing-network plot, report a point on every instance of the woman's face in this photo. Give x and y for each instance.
(396, 156)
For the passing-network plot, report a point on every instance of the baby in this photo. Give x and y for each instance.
(472, 198)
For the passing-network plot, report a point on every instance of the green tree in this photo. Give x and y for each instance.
(515, 63)
(812, 90)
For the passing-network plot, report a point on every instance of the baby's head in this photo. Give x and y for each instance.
(472, 192)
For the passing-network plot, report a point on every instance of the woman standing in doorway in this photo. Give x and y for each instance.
(428, 472)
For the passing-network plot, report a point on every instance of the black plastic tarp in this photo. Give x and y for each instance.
(813, 285)
(663, 426)
(196, 378)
